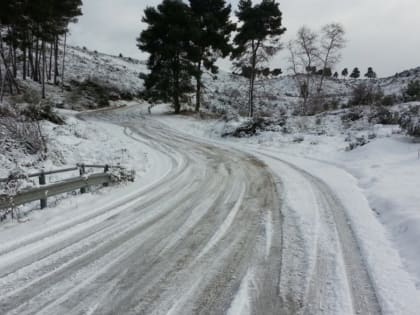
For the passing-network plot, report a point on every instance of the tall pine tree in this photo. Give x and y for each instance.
(370, 73)
(169, 37)
(214, 30)
(257, 39)
(355, 73)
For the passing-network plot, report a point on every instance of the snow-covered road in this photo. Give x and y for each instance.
(213, 230)
(179, 245)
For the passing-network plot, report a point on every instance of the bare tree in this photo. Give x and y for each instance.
(310, 51)
(332, 41)
(303, 59)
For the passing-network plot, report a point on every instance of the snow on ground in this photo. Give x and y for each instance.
(118, 72)
(378, 183)
(78, 141)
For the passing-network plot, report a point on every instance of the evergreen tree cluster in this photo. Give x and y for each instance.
(370, 74)
(30, 33)
(185, 40)
(355, 74)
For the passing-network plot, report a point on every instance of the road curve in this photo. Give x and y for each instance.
(335, 279)
(195, 242)
(212, 235)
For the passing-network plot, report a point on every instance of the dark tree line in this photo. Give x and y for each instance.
(30, 35)
(355, 74)
(185, 40)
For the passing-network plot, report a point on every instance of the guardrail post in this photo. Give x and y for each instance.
(42, 181)
(82, 171)
(106, 170)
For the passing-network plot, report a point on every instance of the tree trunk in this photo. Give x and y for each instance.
(8, 73)
(14, 61)
(36, 69)
(3, 82)
(252, 79)
(56, 60)
(64, 62)
(176, 102)
(24, 64)
(198, 91)
(44, 59)
(50, 64)
(31, 68)
(1, 71)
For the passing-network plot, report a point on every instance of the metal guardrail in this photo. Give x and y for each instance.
(42, 193)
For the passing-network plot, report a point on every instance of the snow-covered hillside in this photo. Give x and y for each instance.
(90, 77)
(119, 73)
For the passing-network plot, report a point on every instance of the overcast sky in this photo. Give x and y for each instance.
(384, 34)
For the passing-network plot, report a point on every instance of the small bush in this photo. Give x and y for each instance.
(90, 94)
(389, 100)
(27, 134)
(383, 116)
(410, 121)
(366, 94)
(126, 96)
(353, 115)
(255, 125)
(358, 142)
(5, 111)
(412, 91)
(42, 112)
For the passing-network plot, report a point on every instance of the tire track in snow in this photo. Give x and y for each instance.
(142, 258)
(337, 252)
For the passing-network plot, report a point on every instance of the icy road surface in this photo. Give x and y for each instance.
(207, 236)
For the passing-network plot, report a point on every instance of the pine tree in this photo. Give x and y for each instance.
(327, 72)
(30, 29)
(169, 37)
(276, 72)
(355, 74)
(257, 39)
(213, 20)
(370, 73)
(345, 72)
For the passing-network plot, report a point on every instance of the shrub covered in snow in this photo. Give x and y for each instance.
(412, 91)
(383, 116)
(20, 132)
(366, 94)
(410, 121)
(252, 126)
